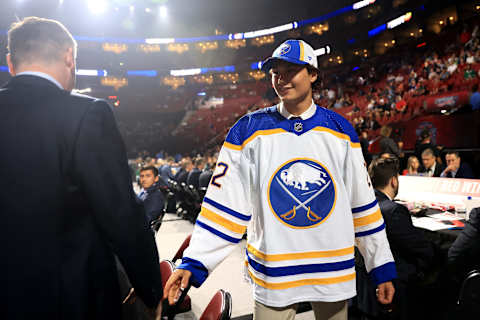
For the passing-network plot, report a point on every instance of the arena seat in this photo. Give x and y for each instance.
(219, 308)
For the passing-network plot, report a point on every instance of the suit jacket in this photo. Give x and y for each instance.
(438, 170)
(413, 254)
(193, 177)
(154, 203)
(463, 172)
(67, 205)
(464, 254)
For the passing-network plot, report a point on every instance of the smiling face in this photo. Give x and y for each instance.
(292, 82)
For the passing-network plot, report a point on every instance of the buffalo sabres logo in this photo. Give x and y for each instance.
(302, 193)
(283, 50)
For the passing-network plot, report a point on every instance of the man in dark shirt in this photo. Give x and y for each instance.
(185, 168)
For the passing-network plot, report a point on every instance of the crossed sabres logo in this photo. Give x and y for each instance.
(302, 193)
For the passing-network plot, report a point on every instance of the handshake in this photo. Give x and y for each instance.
(175, 286)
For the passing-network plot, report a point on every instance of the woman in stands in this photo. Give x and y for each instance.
(412, 167)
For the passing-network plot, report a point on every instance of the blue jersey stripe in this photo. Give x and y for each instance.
(369, 232)
(365, 207)
(300, 269)
(226, 210)
(218, 233)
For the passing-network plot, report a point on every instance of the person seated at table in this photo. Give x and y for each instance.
(414, 255)
(412, 167)
(464, 254)
(456, 168)
(431, 168)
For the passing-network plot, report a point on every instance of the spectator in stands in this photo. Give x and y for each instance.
(412, 166)
(425, 142)
(166, 171)
(194, 175)
(387, 145)
(68, 213)
(365, 143)
(431, 168)
(205, 177)
(182, 174)
(151, 195)
(475, 98)
(456, 168)
(414, 255)
(469, 73)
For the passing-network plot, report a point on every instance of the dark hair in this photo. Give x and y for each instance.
(453, 152)
(475, 87)
(36, 39)
(154, 169)
(381, 170)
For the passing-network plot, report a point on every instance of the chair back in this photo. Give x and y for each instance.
(219, 308)
(185, 244)
(469, 298)
(166, 270)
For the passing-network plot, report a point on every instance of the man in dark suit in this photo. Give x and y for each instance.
(194, 175)
(67, 213)
(413, 254)
(185, 168)
(456, 168)
(431, 168)
(151, 195)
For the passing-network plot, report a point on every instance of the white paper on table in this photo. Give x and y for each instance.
(446, 216)
(430, 224)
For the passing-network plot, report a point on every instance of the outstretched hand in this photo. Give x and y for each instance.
(385, 292)
(177, 282)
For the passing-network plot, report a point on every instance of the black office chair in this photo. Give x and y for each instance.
(469, 297)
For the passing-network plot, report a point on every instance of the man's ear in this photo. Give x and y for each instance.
(11, 68)
(69, 58)
(314, 77)
(156, 179)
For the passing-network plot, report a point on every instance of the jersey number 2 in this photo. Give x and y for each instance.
(220, 175)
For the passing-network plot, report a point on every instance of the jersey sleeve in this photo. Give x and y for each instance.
(370, 235)
(225, 212)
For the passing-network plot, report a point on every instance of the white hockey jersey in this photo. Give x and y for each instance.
(302, 188)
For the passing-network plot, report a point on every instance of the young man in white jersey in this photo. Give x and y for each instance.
(295, 174)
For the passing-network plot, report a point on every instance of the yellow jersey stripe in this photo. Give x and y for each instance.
(227, 224)
(280, 130)
(371, 218)
(299, 255)
(232, 146)
(299, 283)
(338, 135)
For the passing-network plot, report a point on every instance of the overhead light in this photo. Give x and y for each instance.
(148, 10)
(163, 12)
(97, 6)
(132, 8)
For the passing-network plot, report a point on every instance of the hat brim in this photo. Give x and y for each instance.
(267, 64)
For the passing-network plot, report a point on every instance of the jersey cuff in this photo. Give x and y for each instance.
(384, 273)
(198, 270)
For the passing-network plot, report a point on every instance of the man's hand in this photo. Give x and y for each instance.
(177, 282)
(385, 292)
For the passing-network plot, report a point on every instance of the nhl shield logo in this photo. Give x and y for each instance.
(298, 127)
(302, 193)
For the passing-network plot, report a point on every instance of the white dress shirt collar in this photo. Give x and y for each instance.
(304, 116)
(41, 75)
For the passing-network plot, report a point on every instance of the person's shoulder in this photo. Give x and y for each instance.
(250, 123)
(338, 123)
